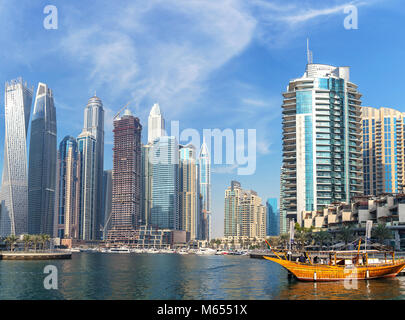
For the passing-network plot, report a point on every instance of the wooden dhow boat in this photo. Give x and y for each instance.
(341, 265)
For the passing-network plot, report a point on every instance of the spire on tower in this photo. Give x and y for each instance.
(309, 53)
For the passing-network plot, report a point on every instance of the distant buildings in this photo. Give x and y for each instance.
(272, 217)
(14, 188)
(322, 160)
(107, 202)
(156, 124)
(126, 178)
(42, 164)
(245, 216)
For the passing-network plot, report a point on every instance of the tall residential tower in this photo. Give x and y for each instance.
(14, 188)
(321, 141)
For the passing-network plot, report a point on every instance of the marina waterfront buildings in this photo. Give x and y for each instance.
(14, 188)
(245, 215)
(42, 164)
(107, 201)
(322, 160)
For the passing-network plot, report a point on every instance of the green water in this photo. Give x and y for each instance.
(172, 276)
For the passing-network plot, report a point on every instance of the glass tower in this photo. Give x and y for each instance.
(321, 141)
(14, 188)
(87, 147)
(94, 123)
(204, 166)
(383, 150)
(67, 197)
(42, 164)
(272, 218)
(156, 124)
(165, 183)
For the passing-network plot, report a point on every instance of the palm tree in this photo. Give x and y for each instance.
(346, 234)
(322, 237)
(35, 238)
(284, 239)
(27, 240)
(45, 238)
(11, 239)
(381, 233)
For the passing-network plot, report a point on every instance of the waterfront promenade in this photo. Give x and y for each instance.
(32, 255)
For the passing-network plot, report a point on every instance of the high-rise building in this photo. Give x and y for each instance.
(87, 147)
(204, 165)
(107, 202)
(245, 215)
(282, 211)
(156, 124)
(42, 164)
(14, 188)
(165, 183)
(68, 189)
(383, 151)
(322, 160)
(126, 179)
(272, 217)
(188, 202)
(147, 174)
(94, 123)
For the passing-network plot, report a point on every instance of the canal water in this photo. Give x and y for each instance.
(172, 276)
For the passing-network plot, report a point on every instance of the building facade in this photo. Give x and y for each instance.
(245, 216)
(87, 147)
(94, 123)
(165, 183)
(68, 189)
(107, 202)
(147, 174)
(322, 160)
(188, 188)
(42, 164)
(204, 172)
(14, 188)
(272, 218)
(156, 124)
(126, 179)
(383, 151)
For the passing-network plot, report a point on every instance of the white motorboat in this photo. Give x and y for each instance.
(221, 252)
(119, 250)
(206, 252)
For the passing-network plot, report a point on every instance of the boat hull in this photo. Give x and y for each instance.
(308, 272)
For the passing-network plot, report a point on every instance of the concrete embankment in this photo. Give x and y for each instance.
(35, 255)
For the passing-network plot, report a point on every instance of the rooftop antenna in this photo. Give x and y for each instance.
(309, 53)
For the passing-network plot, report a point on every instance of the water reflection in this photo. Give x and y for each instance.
(169, 276)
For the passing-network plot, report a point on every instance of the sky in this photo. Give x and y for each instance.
(208, 63)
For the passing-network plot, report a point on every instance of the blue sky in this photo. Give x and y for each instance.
(210, 64)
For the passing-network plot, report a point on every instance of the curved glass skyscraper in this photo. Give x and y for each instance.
(204, 165)
(42, 164)
(14, 188)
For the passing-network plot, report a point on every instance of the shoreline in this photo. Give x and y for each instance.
(35, 255)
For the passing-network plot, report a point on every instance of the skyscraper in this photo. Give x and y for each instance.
(272, 218)
(188, 188)
(204, 165)
(165, 183)
(87, 147)
(94, 123)
(245, 216)
(321, 141)
(68, 189)
(126, 180)
(383, 151)
(147, 174)
(107, 201)
(14, 188)
(156, 124)
(42, 164)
